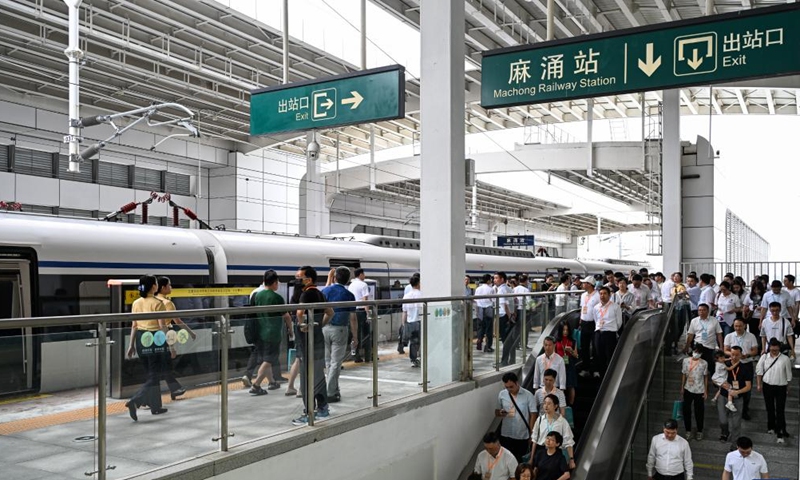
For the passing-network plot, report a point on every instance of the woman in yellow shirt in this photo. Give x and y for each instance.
(164, 289)
(149, 341)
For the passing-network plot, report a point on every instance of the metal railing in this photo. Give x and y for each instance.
(747, 270)
(460, 313)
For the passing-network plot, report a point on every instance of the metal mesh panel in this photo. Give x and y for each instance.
(75, 212)
(113, 174)
(4, 158)
(85, 174)
(37, 209)
(33, 162)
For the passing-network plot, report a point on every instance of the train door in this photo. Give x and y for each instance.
(17, 366)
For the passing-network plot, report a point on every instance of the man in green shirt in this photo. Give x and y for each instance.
(268, 345)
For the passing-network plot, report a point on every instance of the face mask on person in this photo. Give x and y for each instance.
(696, 355)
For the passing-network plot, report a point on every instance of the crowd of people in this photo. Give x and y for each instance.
(737, 338)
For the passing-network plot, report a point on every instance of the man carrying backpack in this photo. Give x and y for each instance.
(268, 340)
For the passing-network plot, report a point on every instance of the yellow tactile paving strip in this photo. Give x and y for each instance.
(118, 407)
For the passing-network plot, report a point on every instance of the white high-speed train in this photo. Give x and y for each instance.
(52, 266)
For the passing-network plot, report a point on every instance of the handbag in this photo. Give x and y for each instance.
(677, 409)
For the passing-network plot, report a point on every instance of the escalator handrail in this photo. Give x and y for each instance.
(594, 447)
(547, 331)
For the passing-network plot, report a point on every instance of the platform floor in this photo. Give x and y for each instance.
(52, 436)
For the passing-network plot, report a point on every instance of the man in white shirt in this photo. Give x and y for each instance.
(608, 322)
(485, 313)
(749, 345)
(359, 288)
(776, 327)
(773, 375)
(506, 312)
(744, 463)
(549, 388)
(777, 295)
(511, 343)
(794, 293)
(412, 315)
(707, 294)
(495, 462)
(705, 331)
(561, 300)
(641, 294)
(666, 288)
(547, 361)
(517, 407)
(670, 456)
(589, 299)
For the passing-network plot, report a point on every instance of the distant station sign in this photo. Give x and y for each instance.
(756, 43)
(361, 97)
(515, 241)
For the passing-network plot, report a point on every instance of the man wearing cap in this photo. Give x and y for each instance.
(589, 299)
(670, 457)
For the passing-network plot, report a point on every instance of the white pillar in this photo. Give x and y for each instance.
(442, 211)
(671, 182)
(312, 211)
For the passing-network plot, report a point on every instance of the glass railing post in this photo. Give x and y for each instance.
(224, 337)
(309, 353)
(496, 332)
(546, 319)
(374, 340)
(467, 357)
(524, 330)
(425, 347)
(102, 376)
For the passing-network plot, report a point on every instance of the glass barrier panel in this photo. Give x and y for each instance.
(48, 407)
(443, 343)
(165, 388)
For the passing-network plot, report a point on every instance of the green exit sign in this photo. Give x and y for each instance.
(763, 42)
(361, 97)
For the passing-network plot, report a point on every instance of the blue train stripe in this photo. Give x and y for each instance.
(120, 265)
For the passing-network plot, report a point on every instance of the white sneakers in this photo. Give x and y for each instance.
(730, 406)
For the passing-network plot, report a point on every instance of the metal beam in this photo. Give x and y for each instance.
(631, 13)
(770, 101)
(742, 100)
(689, 103)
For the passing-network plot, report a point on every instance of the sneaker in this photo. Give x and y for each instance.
(770, 432)
(300, 421)
(257, 390)
(596, 374)
(698, 436)
(323, 413)
(688, 435)
(290, 392)
(334, 398)
(488, 350)
(273, 386)
(584, 373)
(730, 406)
(780, 440)
(415, 363)
(723, 438)
(246, 381)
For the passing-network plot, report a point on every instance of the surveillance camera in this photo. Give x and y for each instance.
(313, 150)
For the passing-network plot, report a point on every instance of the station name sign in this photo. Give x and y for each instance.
(515, 241)
(756, 43)
(361, 97)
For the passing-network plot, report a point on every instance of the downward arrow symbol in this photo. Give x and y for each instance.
(650, 66)
(695, 62)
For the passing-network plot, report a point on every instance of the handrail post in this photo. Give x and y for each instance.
(467, 356)
(425, 347)
(309, 351)
(224, 337)
(374, 341)
(523, 341)
(102, 379)
(496, 329)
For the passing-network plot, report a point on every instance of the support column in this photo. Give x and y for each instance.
(442, 212)
(671, 182)
(313, 209)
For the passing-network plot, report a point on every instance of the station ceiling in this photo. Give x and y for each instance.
(208, 57)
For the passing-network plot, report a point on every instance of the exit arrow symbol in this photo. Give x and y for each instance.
(650, 66)
(695, 62)
(356, 100)
(328, 103)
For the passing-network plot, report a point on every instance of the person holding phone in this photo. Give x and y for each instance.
(516, 406)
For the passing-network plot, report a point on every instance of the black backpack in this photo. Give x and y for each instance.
(251, 335)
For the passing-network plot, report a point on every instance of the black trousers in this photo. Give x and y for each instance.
(587, 341)
(150, 392)
(680, 476)
(364, 336)
(487, 326)
(693, 400)
(519, 447)
(775, 398)
(606, 344)
(413, 331)
(510, 342)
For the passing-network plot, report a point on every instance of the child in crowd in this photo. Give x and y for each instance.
(721, 376)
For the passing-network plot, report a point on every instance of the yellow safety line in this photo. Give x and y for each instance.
(707, 466)
(24, 398)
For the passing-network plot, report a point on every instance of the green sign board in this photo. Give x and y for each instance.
(360, 97)
(763, 42)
